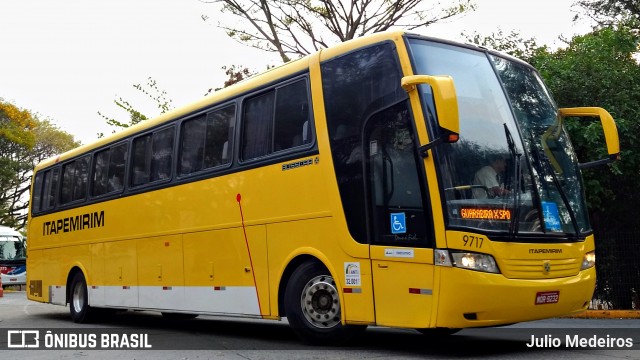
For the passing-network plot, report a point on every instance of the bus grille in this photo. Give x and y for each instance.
(539, 269)
(35, 288)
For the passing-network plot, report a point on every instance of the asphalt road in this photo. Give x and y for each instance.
(223, 338)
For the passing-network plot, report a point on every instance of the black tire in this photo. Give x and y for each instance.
(79, 307)
(313, 309)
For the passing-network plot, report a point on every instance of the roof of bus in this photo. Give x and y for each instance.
(7, 231)
(230, 92)
(222, 95)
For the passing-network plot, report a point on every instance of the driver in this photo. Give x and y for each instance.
(488, 178)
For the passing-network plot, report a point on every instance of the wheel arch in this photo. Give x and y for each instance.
(292, 265)
(72, 273)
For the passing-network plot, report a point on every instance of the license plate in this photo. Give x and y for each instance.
(547, 297)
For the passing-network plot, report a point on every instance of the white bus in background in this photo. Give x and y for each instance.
(13, 267)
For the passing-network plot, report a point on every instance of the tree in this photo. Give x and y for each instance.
(24, 141)
(300, 27)
(512, 43)
(236, 73)
(612, 12)
(150, 90)
(598, 69)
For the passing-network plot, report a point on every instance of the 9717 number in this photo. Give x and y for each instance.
(473, 241)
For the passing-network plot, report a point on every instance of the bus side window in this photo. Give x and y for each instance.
(257, 127)
(75, 176)
(117, 165)
(220, 125)
(192, 145)
(141, 160)
(162, 152)
(291, 124)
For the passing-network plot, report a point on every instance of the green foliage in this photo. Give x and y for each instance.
(613, 12)
(599, 69)
(24, 141)
(512, 43)
(150, 90)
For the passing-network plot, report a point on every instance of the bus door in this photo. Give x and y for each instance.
(401, 233)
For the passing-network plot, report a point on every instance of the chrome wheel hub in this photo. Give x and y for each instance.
(320, 302)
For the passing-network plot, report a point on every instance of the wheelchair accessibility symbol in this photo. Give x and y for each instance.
(398, 223)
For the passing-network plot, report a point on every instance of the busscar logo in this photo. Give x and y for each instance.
(23, 339)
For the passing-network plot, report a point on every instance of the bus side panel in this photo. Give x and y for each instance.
(35, 276)
(218, 273)
(316, 237)
(160, 272)
(59, 263)
(121, 273)
(95, 287)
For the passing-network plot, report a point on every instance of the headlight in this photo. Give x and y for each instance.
(466, 260)
(589, 260)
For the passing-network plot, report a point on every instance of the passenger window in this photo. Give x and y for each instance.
(50, 188)
(37, 191)
(258, 123)
(100, 173)
(108, 170)
(141, 160)
(117, 166)
(192, 151)
(276, 121)
(291, 125)
(152, 157)
(220, 125)
(206, 141)
(74, 180)
(162, 154)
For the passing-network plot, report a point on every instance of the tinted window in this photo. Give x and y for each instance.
(258, 123)
(162, 154)
(74, 180)
(152, 157)
(291, 126)
(108, 170)
(141, 160)
(37, 192)
(277, 120)
(206, 141)
(355, 87)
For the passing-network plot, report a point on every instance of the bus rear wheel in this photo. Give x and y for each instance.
(312, 305)
(79, 307)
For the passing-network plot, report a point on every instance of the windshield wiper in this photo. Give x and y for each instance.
(515, 157)
(547, 168)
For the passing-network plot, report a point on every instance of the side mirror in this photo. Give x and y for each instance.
(446, 103)
(609, 127)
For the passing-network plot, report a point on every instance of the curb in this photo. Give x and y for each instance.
(608, 314)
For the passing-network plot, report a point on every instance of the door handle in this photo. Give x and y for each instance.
(382, 266)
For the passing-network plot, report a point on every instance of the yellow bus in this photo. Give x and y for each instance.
(339, 190)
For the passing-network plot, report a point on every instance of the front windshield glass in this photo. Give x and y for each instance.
(555, 165)
(501, 176)
(11, 248)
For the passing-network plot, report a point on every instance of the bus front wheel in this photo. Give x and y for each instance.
(312, 305)
(79, 300)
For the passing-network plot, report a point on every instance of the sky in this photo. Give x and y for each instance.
(66, 60)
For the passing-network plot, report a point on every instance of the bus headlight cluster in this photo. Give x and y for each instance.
(589, 260)
(466, 260)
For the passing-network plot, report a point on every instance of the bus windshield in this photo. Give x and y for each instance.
(513, 171)
(11, 248)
